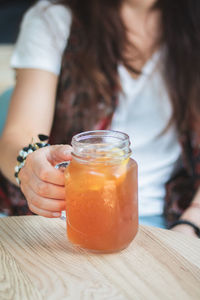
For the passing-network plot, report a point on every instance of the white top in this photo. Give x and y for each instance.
(144, 108)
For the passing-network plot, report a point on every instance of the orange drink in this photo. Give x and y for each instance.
(101, 192)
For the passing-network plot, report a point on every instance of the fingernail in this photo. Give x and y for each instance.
(56, 214)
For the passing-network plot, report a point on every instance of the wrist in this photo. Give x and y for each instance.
(21, 158)
(192, 214)
(190, 227)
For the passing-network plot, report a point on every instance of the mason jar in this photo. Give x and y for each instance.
(101, 191)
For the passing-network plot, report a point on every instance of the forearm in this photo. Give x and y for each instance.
(10, 145)
(30, 113)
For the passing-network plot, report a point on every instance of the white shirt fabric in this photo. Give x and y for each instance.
(43, 36)
(144, 107)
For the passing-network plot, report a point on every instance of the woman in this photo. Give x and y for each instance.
(127, 65)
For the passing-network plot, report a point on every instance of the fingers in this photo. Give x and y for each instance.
(59, 153)
(45, 189)
(185, 229)
(43, 206)
(43, 160)
(42, 168)
(42, 184)
(43, 198)
(44, 213)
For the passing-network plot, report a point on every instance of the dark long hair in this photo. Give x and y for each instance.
(105, 43)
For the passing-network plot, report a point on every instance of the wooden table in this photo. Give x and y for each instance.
(38, 262)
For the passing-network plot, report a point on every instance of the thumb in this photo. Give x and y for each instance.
(59, 153)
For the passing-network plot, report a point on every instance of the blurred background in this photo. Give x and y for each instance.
(11, 12)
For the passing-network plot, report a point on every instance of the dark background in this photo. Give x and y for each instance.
(11, 12)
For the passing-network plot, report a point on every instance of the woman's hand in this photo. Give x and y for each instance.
(192, 214)
(41, 183)
(185, 229)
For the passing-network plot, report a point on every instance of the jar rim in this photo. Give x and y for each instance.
(92, 145)
(82, 136)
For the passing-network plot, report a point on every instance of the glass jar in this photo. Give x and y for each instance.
(101, 191)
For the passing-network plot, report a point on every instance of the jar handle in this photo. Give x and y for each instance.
(62, 166)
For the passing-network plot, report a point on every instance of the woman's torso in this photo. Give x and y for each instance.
(144, 107)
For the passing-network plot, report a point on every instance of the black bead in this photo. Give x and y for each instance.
(43, 137)
(39, 145)
(25, 149)
(20, 158)
(16, 174)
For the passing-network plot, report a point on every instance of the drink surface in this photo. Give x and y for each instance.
(101, 204)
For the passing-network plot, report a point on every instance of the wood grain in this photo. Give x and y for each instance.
(38, 262)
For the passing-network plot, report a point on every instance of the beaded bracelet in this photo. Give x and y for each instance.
(186, 222)
(21, 158)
